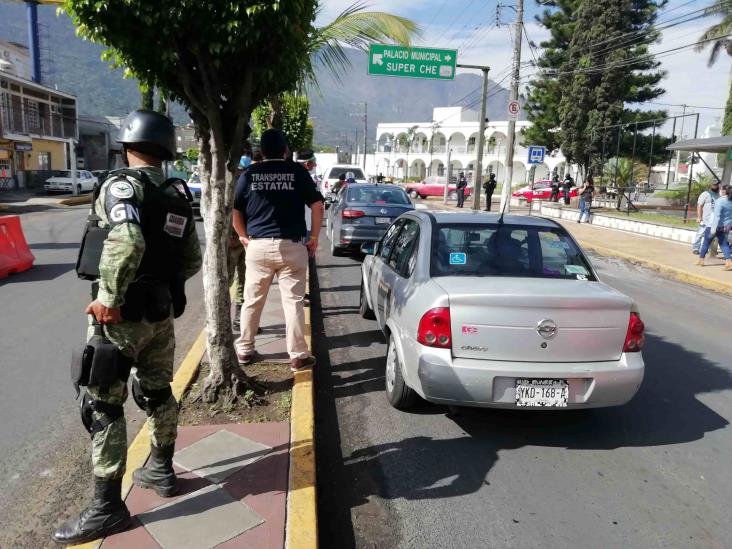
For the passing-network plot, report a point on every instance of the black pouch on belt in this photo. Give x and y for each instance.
(81, 362)
(133, 308)
(158, 301)
(178, 295)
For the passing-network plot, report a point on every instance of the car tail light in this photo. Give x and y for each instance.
(434, 328)
(352, 213)
(327, 185)
(635, 338)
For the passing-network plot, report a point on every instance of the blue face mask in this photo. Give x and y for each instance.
(244, 162)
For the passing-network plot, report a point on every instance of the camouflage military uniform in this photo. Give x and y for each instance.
(237, 267)
(150, 345)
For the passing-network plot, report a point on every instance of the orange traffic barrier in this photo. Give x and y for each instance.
(15, 256)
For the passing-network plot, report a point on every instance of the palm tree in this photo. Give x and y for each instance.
(355, 28)
(719, 36)
(411, 132)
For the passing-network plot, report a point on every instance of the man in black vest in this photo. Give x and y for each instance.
(151, 248)
(269, 216)
(461, 184)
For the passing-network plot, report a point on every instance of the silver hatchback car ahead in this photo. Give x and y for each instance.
(502, 313)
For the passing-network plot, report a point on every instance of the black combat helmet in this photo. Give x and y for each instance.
(149, 132)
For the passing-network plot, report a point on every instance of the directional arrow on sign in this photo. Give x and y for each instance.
(448, 58)
(377, 59)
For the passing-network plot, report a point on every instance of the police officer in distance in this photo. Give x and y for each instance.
(461, 184)
(148, 249)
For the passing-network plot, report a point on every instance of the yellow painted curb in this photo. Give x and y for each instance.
(76, 200)
(681, 276)
(138, 451)
(302, 517)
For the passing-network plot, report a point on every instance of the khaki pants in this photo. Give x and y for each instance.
(265, 258)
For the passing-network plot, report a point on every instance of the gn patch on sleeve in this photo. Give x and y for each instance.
(121, 203)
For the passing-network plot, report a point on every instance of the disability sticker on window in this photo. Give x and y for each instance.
(458, 258)
(175, 225)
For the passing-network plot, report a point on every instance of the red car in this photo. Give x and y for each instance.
(434, 185)
(542, 190)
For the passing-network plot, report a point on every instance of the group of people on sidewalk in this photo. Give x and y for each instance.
(714, 216)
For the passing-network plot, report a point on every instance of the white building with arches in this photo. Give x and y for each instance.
(420, 149)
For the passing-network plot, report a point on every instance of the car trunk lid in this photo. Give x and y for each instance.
(495, 318)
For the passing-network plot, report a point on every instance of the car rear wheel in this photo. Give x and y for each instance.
(363, 306)
(452, 195)
(335, 251)
(414, 194)
(400, 396)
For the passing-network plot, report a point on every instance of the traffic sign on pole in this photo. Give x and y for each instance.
(514, 107)
(433, 63)
(536, 154)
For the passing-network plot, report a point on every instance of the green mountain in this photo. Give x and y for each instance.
(73, 65)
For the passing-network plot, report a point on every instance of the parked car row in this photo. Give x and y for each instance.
(63, 182)
(497, 312)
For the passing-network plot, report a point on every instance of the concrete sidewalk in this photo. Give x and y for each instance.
(670, 258)
(233, 478)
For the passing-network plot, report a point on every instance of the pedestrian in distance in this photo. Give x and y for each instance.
(705, 214)
(236, 260)
(721, 225)
(489, 187)
(462, 183)
(269, 218)
(587, 193)
(554, 197)
(306, 158)
(567, 185)
(139, 247)
(338, 185)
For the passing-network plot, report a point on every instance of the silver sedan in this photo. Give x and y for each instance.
(498, 312)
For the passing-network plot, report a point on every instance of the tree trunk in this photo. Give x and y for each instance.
(226, 380)
(147, 98)
(275, 115)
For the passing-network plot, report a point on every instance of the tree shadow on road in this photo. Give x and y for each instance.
(665, 411)
(40, 273)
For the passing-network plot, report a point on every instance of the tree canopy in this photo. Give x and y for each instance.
(595, 67)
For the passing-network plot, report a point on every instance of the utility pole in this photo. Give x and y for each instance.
(481, 135)
(678, 153)
(365, 132)
(506, 190)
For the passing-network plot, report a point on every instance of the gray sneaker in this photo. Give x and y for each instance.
(300, 364)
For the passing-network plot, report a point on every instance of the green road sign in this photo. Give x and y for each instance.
(432, 63)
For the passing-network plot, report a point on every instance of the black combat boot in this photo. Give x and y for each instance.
(158, 475)
(237, 317)
(106, 515)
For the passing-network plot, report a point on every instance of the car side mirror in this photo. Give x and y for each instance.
(368, 248)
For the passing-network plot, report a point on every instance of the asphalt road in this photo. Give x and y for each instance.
(654, 473)
(44, 450)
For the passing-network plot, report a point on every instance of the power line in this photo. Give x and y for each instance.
(638, 59)
(683, 105)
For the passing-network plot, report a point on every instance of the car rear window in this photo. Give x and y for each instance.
(506, 250)
(373, 195)
(335, 173)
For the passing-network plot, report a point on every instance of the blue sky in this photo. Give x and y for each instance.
(469, 26)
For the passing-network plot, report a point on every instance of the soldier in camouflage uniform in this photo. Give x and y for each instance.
(135, 278)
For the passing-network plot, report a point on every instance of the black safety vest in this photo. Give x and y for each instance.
(165, 218)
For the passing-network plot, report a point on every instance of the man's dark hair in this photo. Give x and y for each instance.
(342, 177)
(273, 143)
